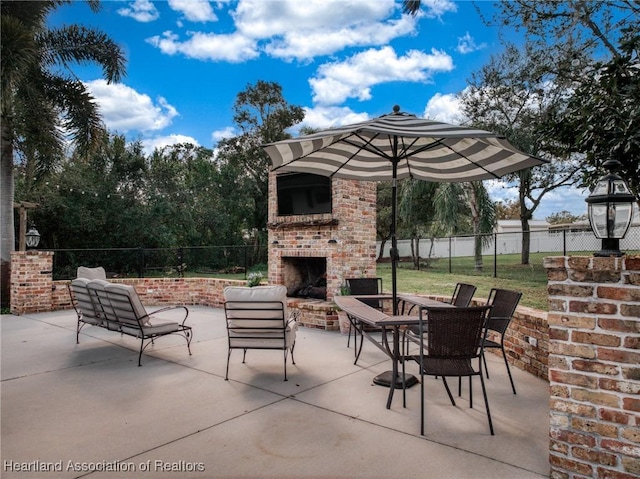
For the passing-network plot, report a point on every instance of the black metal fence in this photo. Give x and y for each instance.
(160, 262)
(500, 251)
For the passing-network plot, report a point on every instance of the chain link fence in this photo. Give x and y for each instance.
(504, 250)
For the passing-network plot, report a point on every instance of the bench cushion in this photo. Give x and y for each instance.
(158, 327)
(127, 312)
(91, 273)
(99, 296)
(84, 302)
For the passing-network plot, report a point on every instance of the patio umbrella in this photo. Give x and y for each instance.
(396, 146)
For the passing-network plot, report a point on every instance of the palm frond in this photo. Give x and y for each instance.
(80, 114)
(412, 7)
(18, 51)
(31, 15)
(78, 44)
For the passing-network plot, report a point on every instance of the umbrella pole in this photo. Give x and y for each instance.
(393, 253)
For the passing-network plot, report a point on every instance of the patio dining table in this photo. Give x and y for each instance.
(361, 314)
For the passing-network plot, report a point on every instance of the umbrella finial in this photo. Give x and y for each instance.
(396, 108)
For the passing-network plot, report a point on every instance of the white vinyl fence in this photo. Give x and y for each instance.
(544, 241)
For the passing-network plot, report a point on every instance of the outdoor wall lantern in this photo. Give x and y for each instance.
(32, 238)
(610, 208)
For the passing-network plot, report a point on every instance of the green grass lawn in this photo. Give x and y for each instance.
(530, 279)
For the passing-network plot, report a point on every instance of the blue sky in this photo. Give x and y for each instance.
(342, 61)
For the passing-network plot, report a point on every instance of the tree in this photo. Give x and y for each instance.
(197, 195)
(383, 215)
(603, 115)
(95, 201)
(466, 208)
(513, 95)
(263, 116)
(592, 47)
(415, 220)
(507, 210)
(564, 217)
(41, 97)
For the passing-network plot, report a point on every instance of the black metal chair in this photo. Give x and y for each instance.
(364, 287)
(503, 304)
(450, 340)
(461, 298)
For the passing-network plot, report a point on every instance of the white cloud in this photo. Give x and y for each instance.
(309, 44)
(150, 144)
(194, 10)
(140, 10)
(354, 77)
(445, 108)
(437, 8)
(228, 132)
(320, 117)
(264, 19)
(501, 190)
(207, 46)
(566, 198)
(123, 109)
(467, 44)
(290, 29)
(303, 30)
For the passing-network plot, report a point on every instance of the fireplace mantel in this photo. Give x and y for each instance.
(295, 223)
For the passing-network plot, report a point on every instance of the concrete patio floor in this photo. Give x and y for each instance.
(82, 407)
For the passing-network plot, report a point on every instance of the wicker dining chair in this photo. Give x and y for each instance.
(503, 304)
(450, 343)
(462, 296)
(364, 287)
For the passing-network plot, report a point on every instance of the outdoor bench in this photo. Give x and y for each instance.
(117, 307)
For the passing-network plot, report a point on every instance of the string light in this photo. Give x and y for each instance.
(180, 195)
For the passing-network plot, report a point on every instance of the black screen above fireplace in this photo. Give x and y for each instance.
(303, 194)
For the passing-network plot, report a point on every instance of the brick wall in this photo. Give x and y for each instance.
(33, 290)
(594, 372)
(31, 281)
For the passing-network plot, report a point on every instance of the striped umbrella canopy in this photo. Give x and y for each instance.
(396, 146)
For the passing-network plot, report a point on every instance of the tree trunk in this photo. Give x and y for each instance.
(7, 241)
(383, 242)
(477, 237)
(526, 239)
(413, 251)
(525, 214)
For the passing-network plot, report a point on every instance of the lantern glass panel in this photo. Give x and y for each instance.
(622, 213)
(601, 189)
(598, 219)
(620, 187)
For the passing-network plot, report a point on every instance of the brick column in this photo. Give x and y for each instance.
(31, 281)
(594, 372)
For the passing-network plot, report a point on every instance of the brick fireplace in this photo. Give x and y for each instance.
(320, 250)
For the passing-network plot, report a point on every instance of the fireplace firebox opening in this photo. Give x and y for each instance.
(305, 277)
